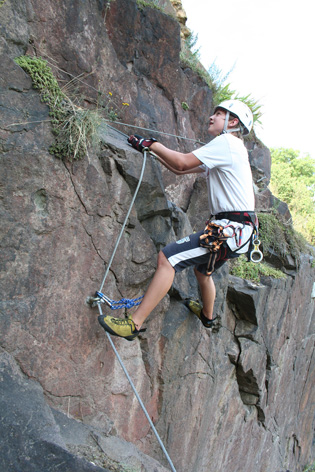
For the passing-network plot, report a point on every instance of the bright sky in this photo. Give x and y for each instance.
(271, 43)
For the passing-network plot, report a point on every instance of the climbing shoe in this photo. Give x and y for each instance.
(124, 328)
(196, 308)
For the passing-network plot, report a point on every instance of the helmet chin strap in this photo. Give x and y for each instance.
(226, 122)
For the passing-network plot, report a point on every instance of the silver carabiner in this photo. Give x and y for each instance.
(256, 255)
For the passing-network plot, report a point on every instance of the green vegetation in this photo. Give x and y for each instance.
(293, 181)
(42, 77)
(240, 267)
(310, 468)
(75, 128)
(275, 237)
(185, 106)
(215, 78)
(190, 57)
(223, 91)
(280, 237)
(148, 3)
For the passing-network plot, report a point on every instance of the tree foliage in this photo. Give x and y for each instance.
(293, 181)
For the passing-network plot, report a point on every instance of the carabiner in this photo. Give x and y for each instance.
(256, 255)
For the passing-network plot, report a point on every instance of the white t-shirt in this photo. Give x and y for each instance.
(229, 183)
(228, 174)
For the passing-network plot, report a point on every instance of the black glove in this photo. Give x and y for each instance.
(139, 143)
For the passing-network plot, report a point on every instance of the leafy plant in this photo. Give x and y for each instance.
(74, 127)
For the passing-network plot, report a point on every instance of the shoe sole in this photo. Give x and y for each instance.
(109, 330)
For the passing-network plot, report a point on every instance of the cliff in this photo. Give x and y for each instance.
(238, 398)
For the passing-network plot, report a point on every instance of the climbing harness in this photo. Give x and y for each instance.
(254, 254)
(212, 239)
(223, 227)
(127, 303)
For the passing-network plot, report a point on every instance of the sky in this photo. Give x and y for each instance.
(269, 46)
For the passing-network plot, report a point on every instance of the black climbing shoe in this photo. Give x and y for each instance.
(124, 328)
(196, 308)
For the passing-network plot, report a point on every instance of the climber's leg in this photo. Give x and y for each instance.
(129, 328)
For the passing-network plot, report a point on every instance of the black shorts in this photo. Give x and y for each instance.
(187, 252)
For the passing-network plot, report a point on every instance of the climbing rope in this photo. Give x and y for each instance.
(138, 398)
(125, 221)
(124, 303)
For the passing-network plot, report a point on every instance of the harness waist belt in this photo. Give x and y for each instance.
(239, 216)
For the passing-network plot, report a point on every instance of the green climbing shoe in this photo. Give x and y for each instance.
(124, 328)
(196, 308)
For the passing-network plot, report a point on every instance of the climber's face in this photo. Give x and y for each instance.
(216, 122)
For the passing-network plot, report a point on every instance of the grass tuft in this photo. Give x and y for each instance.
(310, 468)
(149, 3)
(252, 271)
(75, 128)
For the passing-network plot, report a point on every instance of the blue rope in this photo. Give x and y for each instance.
(123, 303)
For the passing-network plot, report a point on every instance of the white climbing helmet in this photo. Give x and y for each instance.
(241, 111)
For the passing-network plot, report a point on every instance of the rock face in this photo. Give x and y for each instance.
(235, 398)
(36, 437)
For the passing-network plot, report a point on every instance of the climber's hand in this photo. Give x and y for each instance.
(140, 143)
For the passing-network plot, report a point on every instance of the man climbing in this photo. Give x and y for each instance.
(224, 162)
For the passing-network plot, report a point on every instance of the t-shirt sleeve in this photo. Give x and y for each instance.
(215, 154)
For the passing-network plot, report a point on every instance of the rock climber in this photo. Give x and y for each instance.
(225, 165)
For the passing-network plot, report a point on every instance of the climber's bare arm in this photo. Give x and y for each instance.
(195, 170)
(175, 161)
